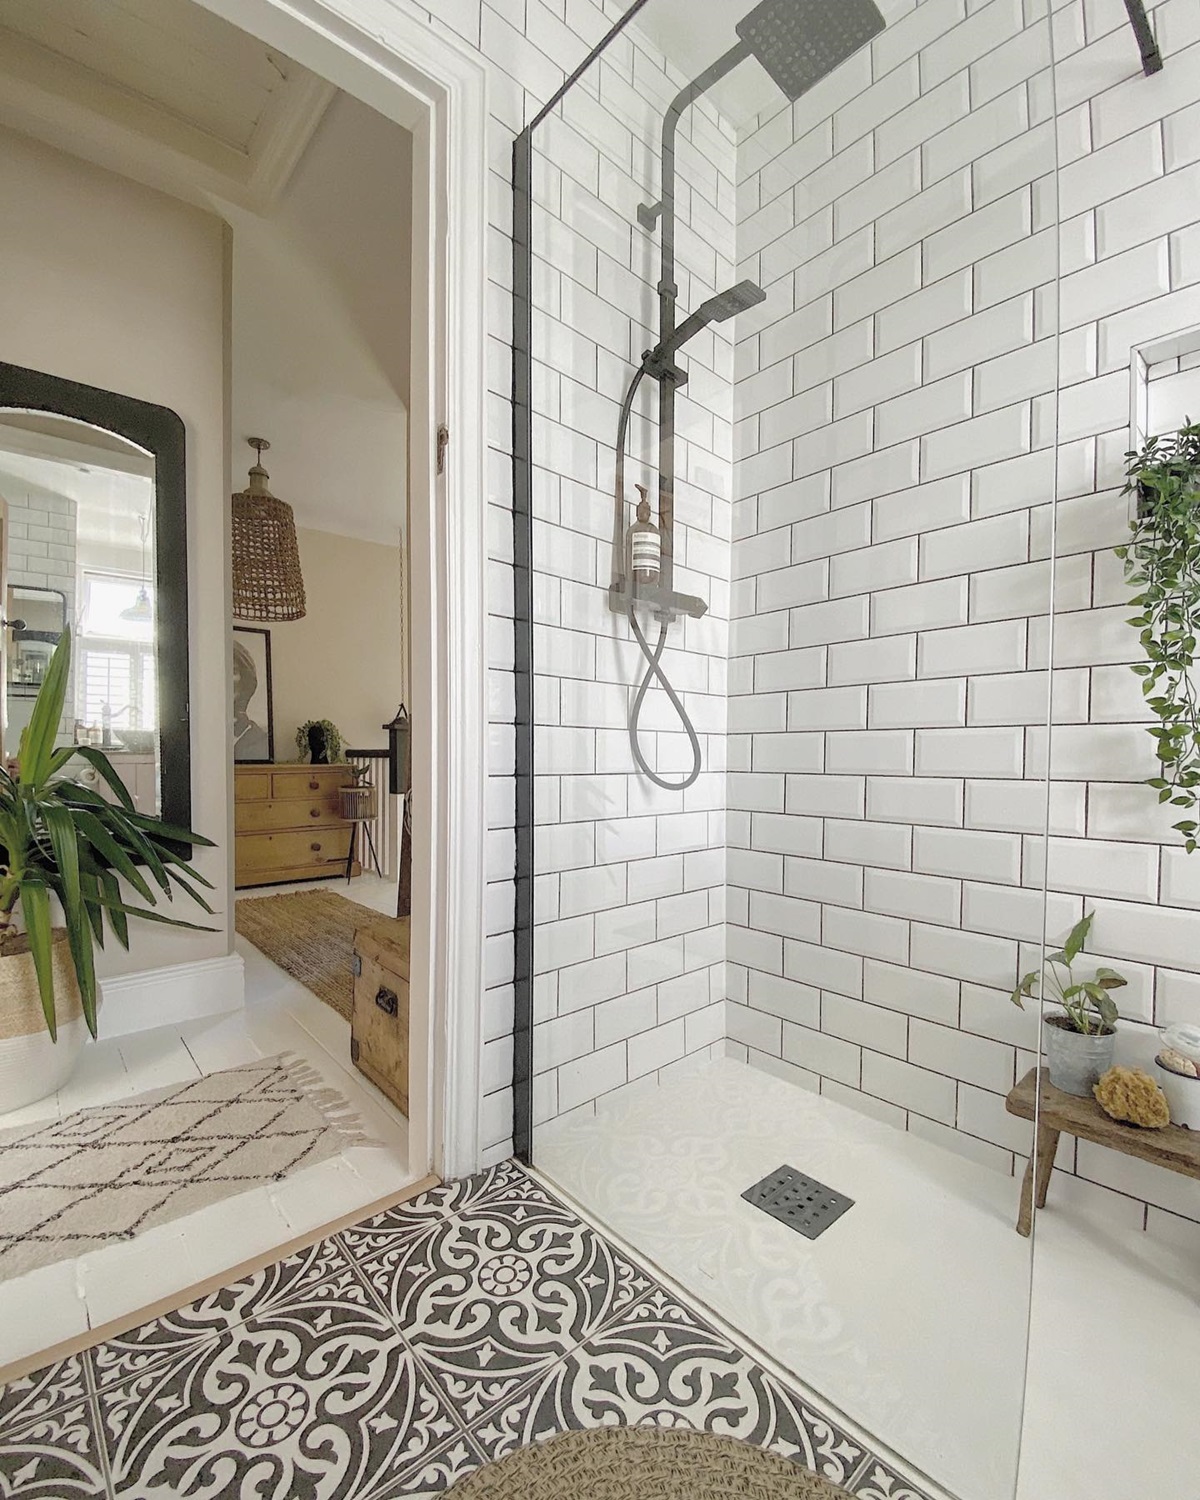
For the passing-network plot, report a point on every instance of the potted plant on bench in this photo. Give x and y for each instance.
(62, 842)
(1080, 1042)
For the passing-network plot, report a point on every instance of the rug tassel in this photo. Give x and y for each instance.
(334, 1108)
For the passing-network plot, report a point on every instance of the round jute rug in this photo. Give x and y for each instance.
(643, 1463)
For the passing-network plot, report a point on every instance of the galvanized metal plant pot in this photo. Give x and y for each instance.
(1076, 1061)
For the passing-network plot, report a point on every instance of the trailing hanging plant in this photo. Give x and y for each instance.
(329, 732)
(1162, 562)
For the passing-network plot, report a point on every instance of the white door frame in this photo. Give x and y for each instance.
(437, 88)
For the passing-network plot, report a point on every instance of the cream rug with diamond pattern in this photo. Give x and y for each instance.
(99, 1175)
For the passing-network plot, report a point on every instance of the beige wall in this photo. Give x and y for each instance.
(342, 661)
(112, 284)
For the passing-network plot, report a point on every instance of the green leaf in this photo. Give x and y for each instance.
(37, 740)
(1109, 979)
(67, 886)
(1107, 1007)
(61, 758)
(35, 908)
(107, 847)
(101, 763)
(151, 916)
(169, 832)
(90, 884)
(111, 902)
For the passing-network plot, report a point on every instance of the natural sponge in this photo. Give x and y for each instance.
(1129, 1094)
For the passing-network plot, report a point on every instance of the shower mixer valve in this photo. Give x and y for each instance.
(666, 603)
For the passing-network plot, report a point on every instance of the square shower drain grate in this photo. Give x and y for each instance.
(800, 1202)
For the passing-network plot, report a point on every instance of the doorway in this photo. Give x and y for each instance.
(437, 94)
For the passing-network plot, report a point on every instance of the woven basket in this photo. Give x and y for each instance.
(358, 803)
(31, 1065)
(267, 582)
(20, 1001)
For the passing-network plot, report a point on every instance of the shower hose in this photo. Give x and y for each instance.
(653, 654)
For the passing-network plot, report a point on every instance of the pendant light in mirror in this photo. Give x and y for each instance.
(141, 611)
(267, 582)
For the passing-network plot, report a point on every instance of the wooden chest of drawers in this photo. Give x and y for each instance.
(287, 824)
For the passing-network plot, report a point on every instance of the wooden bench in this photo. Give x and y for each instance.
(1172, 1147)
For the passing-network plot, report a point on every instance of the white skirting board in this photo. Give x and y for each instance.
(165, 997)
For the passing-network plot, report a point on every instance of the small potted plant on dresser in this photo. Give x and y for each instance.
(1081, 1041)
(63, 843)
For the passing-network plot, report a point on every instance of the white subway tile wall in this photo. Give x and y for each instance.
(631, 945)
(894, 389)
(914, 527)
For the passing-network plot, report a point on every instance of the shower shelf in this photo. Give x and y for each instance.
(665, 602)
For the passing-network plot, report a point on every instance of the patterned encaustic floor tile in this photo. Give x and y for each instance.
(501, 1292)
(397, 1356)
(176, 1332)
(56, 1456)
(660, 1364)
(36, 1394)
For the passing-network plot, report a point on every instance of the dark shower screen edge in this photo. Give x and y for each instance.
(523, 648)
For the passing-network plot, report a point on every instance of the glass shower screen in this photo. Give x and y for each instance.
(787, 332)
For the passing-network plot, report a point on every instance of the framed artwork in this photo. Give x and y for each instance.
(253, 697)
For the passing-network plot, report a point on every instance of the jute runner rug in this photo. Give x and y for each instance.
(310, 935)
(100, 1175)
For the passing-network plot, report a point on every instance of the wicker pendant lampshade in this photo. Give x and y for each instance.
(267, 582)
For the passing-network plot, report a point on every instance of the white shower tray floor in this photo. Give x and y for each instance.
(909, 1314)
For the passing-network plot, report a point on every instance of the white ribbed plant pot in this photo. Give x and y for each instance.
(31, 1065)
(1077, 1062)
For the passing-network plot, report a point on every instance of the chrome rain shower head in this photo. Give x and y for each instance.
(799, 41)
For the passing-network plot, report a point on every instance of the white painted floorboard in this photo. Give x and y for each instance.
(65, 1300)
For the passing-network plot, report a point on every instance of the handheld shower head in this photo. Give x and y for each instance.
(734, 300)
(799, 41)
(718, 309)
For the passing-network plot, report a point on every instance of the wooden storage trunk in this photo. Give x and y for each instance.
(379, 1026)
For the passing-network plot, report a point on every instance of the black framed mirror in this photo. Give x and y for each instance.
(96, 488)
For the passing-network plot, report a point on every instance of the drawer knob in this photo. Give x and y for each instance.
(314, 812)
(316, 848)
(314, 786)
(387, 1002)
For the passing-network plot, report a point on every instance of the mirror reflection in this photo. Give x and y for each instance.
(77, 544)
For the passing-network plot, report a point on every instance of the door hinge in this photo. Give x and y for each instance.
(443, 442)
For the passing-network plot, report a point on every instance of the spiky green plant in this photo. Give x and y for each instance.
(61, 839)
(1079, 998)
